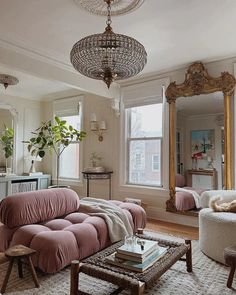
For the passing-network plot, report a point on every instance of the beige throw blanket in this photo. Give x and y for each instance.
(117, 221)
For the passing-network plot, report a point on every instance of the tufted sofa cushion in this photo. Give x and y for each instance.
(73, 236)
(37, 206)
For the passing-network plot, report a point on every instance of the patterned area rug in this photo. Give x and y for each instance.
(208, 278)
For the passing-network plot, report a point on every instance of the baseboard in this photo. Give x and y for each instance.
(163, 215)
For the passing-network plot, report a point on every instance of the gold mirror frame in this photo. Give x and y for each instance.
(197, 81)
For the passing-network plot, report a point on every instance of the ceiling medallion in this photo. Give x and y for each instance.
(118, 6)
(108, 56)
(7, 80)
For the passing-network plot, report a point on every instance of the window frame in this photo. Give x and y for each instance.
(130, 139)
(75, 106)
(71, 178)
(155, 170)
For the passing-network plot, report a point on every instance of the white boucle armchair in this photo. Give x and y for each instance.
(226, 196)
(217, 230)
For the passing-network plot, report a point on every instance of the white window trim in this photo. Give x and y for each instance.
(152, 191)
(127, 140)
(71, 109)
(72, 178)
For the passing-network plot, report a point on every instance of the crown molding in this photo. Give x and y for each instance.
(40, 66)
(177, 70)
(18, 46)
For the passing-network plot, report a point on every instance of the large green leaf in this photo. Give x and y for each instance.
(53, 136)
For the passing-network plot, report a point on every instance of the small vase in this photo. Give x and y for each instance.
(194, 164)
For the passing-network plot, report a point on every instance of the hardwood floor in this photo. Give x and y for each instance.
(173, 229)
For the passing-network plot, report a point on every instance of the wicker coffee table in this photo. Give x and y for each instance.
(96, 266)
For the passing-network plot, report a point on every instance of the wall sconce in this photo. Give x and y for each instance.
(97, 127)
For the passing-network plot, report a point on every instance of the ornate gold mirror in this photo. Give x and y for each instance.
(198, 83)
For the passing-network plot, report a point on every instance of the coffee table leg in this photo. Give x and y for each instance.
(189, 256)
(140, 290)
(74, 277)
(4, 285)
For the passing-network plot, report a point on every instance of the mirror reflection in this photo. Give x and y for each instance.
(199, 149)
(6, 141)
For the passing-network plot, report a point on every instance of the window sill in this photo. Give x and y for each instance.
(149, 190)
(69, 182)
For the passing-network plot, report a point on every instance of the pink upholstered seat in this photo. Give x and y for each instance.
(52, 224)
(184, 200)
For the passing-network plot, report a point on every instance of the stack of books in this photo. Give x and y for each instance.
(137, 258)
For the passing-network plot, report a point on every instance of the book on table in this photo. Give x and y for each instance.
(134, 265)
(137, 251)
(132, 258)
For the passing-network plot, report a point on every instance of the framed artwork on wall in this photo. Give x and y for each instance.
(203, 143)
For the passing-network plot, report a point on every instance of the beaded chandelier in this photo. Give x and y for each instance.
(108, 56)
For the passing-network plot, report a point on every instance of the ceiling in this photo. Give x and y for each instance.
(29, 86)
(174, 33)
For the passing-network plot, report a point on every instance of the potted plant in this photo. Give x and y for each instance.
(7, 141)
(54, 137)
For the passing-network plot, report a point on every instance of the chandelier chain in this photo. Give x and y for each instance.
(109, 21)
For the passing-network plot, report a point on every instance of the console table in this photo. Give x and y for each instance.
(212, 173)
(98, 176)
(36, 182)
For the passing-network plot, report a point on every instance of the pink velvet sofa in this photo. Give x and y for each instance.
(50, 222)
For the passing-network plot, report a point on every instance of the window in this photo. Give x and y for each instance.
(144, 145)
(69, 166)
(155, 162)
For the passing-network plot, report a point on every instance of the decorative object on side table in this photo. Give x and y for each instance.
(7, 141)
(54, 137)
(32, 170)
(95, 161)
